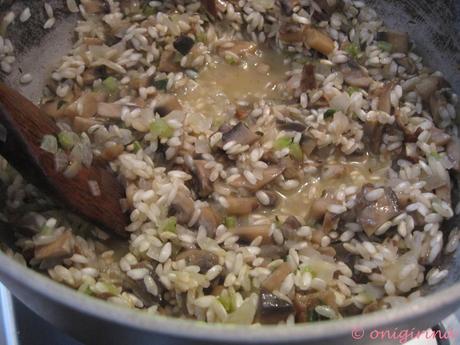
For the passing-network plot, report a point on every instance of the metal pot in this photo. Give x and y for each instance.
(433, 25)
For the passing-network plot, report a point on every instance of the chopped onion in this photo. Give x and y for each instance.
(49, 143)
(94, 188)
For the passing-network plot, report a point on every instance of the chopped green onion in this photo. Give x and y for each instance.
(435, 155)
(329, 113)
(67, 140)
(282, 143)
(169, 225)
(160, 84)
(231, 60)
(110, 85)
(160, 128)
(352, 89)
(230, 222)
(49, 144)
(353, 49)
(46, 230)
(296, 151)
(136, 146)
(313, 316)
(201, 37)
(308, 269)
(385, 46)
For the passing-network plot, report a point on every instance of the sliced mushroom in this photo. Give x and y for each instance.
(183, 44)
(168, 63)
(373, 135)
(290, 126)
(453, 151)
(111, 152)
(399, 40)
(210, 6)
(240, 134)
(210, 220)
(166, 103)
(201, 258)
(319, 207)
(109, 110)
(408, 64)
(251, 232)
(384, 95)
(268, 175)
(318, 40)
(289, 227)
(330, 222)
(272, 252)
(355, 75)
(238, 206)
(276, 278)
(305, 304)
(182, 207)
(288, 5)
(290, 34)
(307, 145)
(203, 184)
(308, 80)
(137, 287)
(273, 309)
(426, 87)
(371, 215)
(60, 248)
(93, 6)
(272, 197)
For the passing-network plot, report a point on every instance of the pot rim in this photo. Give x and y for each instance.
(190, 329)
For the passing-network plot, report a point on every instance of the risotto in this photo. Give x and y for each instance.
(284, 160)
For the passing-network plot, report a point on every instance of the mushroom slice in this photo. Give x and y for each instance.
(60, 248)
(137, 287)
(319, 207)
(290, 34)
(251, 232)
(183, 44)
(210, 6)
(166, 103)
(287, 6)
(290, 126)
(110, 110)
(268, 175)
(453, 151)
(272, 309)
(426, 87)
(273, 198)
(373, 135)
(272, 251)
(210, 220)
(167, 62)
(355, 75)
(308, 80)
(238, 206)
(318, 40)
(201, 258)
(241, 134)
(384, 94)
(182, 207)
(399, 40)
(289, 227)
(305, 304)
(371, 215)
(275, 279)
(203, 184)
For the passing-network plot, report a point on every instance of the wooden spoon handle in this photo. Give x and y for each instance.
(26, 125)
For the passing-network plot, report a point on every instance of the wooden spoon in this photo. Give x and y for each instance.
(25, 127)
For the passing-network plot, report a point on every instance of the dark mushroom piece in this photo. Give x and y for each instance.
(268, 175)
(399, 41)
(290, 126)
(408, 64)
(437, 102)
(240, 134)
(201, 258)
(272, 309)
(355, 75)
(183, 44)
(290, 34)
(453, 151)
(182, 207)
(166, 103)
(210, 220)
(203, 184)
(137, 287)
(427, 86)
(319, 207)
(289, 227)
(272, 197)
(329, 6)
(272, 251)
(210, 6)
(384, 94)
(305, 305)
(168, 63)
(330, 222)
(251, 232)
(275, 279)
(371, 215)
(60, 248)
(318, 40)
(287, 6)
(307, 145)
(308, 80)
(238, 206)
(373, 135)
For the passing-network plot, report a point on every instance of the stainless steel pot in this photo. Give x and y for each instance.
(433, 25)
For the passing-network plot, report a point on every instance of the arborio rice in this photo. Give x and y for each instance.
(284, 161)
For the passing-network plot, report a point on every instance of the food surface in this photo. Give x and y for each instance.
(284, 161)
